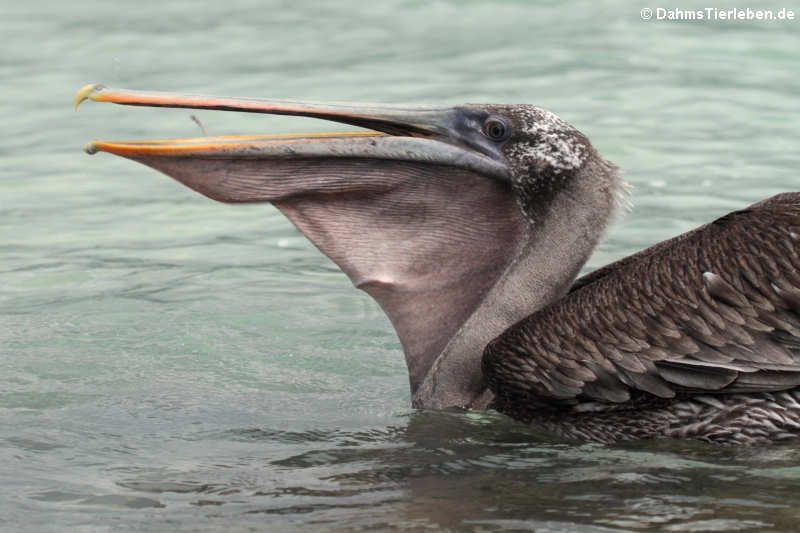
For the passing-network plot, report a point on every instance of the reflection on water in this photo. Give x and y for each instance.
(458, 471)
(172, 364)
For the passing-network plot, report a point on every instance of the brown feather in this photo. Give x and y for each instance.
(716, 310)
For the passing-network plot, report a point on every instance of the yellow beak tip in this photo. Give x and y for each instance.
(87, 92)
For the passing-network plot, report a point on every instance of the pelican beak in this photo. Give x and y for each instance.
(417, 208)
(418, 133)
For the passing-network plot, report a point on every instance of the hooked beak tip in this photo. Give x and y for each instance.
(90, 148)
(87, 92)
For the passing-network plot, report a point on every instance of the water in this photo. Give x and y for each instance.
(169, 363)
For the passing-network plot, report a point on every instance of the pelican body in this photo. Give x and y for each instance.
(469, 224)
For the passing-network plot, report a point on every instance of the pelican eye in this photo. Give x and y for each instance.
(496, 128)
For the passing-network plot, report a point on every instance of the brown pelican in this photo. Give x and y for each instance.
(469, 224)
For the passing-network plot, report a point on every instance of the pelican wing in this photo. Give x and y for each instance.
(716, 310)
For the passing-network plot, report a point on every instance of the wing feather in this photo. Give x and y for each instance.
(716, 310)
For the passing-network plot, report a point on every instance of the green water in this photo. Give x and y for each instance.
(173, 364)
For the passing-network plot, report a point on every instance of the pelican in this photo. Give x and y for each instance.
(469, 225)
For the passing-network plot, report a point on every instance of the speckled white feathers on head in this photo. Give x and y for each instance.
(546, 154)
(548, 142)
